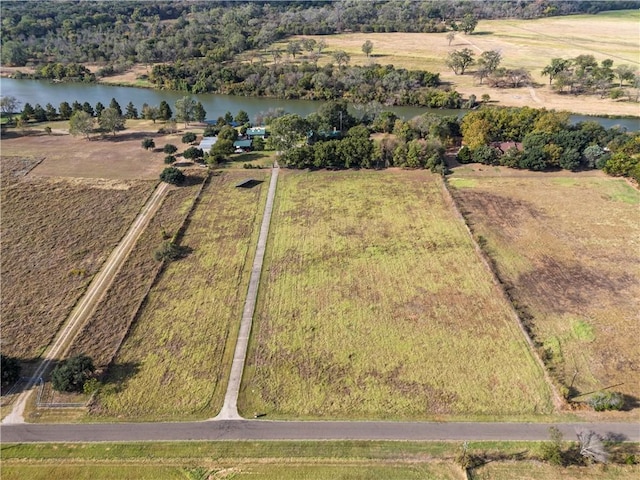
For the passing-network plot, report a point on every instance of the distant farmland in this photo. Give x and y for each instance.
(374, 304)
(567, 247)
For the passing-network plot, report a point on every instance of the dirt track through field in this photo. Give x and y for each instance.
(87, 304)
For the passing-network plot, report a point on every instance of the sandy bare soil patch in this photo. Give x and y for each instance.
(567, 247)
(56, 233)
(119, 157)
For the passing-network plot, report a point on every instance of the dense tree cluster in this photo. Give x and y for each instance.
(384, 84)
(70, 375)
(537, 139)
(118, 34)
(583, 74)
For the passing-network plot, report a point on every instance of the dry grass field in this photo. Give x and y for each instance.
(56, 233)
(101, 337)
(523, 43)
(119, 157)
(174, 362)
(374, 304)
(568, 247)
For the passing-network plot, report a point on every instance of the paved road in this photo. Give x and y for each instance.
(294, 430)
(87, 304)
(230, 407)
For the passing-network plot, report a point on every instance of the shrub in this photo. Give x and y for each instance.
(552, 450)
(169, 149)
(169, 159)
(148, 143)
(602, 401)
(172, 175)
(71, 375)
(189, 137)
(168, 251)
(485, 154)
(464, 155)
(10, 369)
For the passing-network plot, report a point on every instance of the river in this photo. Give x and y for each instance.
(43, 92)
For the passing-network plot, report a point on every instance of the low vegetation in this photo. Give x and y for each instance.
(374, 304)
(293, 460)
(55, 238)
(174, 362)
(563, 246)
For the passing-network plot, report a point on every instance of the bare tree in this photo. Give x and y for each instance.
(451, 36)
(591, 446)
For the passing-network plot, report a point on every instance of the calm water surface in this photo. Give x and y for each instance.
(43, 92)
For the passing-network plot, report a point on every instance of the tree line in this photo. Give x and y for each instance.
(120, 34)
(538, 139)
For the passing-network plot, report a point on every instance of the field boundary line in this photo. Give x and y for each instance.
(90, 299)
(229, 409)
(558, 400)
(157, 274)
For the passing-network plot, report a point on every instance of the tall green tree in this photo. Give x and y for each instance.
(116, 106)
(460, 60)
(185, 108)
(555, 68)
(288, 131)
(468, 24)
(111, 121)
(71, 375)
(131, 111)
(199, 113)
(81, 123)
(164, 112)
(367, 48)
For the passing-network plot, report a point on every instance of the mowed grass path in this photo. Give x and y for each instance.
(569, 245)
(374, 304)
(174, 363)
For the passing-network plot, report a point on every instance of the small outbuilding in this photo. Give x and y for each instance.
(207, 142)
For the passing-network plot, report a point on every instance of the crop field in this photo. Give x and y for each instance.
(529, 44)
(374, 304)
(568, 248)
(100, 338)
(56, 233)
(174, 362)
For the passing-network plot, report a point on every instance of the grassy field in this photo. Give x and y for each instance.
(374, 304)
(174, 363)
(567, 245)
(287, 460)
(56, 233)
(530, 44)
(101, 337)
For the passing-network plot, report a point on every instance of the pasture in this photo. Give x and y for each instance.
(101, 337)
(374, 304)
(56, 233)
(529, 44)
(174, 362)
(566, 246)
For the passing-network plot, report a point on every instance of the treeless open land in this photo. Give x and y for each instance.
(56, 233)
(374, 304)
(566, 246)
(174, 362)
(529, 44)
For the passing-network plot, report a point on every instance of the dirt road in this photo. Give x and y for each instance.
(87, 304)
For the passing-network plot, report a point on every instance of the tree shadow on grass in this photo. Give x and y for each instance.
(117, 374)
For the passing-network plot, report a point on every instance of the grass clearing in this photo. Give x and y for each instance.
(174, 362)
(569, 249)
(374, 304)
(56, 233)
